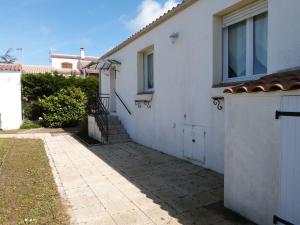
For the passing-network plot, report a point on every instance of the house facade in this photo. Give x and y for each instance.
(172, 78)
(10, 96)
(73, 64)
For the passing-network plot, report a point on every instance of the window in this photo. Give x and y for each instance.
(148, 71)
(145, 65)
(245, 42)
(66, 65)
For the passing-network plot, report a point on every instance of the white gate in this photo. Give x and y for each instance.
(290, 160)
(194, 143)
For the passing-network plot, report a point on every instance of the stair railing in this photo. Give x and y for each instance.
(101, 113)
(123, 103)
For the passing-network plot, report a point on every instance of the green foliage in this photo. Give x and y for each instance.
(27, 124)
(65, 108)
(37, 86)
(32, 110)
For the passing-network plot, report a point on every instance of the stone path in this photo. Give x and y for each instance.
(128, 184)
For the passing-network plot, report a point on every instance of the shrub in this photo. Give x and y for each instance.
(32, 110)
(27, 124)
(63, 109)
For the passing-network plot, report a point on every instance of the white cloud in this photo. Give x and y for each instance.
(148, 11)
(45, 30)
(84, 41)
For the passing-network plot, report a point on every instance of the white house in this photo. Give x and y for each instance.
(73, 64)
(168, 91)
(10, 96)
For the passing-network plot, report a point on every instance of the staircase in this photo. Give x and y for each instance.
(111, 130)
(116, 131)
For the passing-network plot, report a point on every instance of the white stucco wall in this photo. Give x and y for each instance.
(10, 100)
(252, 155)
(56, 63)
(185, 72)
(184, 75)
(183, 80)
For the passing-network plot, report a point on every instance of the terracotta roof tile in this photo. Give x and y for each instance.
(283, 81)
(32, 69)
(10, 67)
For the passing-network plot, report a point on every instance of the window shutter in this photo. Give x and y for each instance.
(251, 10)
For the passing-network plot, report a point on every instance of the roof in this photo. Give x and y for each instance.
(36, 69)
(282, 81)
(32, 69)
(64, 56)
(172, 12)
(84, 65)
(10, 67)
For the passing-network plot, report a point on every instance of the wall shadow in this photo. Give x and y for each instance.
(189, 193)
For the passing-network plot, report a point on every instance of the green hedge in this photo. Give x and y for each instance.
(63, 109)
(42, 86)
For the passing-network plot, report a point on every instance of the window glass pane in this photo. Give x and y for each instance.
(260, 43)
(237, 50)
(150, 71)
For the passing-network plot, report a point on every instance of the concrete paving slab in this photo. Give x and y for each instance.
(128, 184)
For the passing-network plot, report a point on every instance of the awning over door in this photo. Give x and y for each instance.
(103, 64)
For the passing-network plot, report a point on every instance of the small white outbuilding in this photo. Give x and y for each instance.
(10, 96)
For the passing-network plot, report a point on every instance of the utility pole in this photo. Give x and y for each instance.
(21, 55)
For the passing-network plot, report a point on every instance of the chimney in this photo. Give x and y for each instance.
(82, 53)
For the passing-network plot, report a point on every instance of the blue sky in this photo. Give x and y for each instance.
(66, 25)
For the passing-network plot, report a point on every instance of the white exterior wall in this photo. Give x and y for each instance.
(56, 63)
(183, 80)
(252, 137)
(10, 100)
(252, 155)
(184, 73)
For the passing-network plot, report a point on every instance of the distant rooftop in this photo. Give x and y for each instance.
(10, 67)
(66, 56)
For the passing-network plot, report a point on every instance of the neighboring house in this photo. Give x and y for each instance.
(166, 84)
(38, 69)
(75, 64)
(10, 96)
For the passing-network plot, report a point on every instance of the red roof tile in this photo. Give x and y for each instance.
(283, 81)
(10, 67)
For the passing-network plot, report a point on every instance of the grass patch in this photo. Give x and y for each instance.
(28, 193)
(27, 124)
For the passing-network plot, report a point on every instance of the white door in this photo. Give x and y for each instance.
(290, 161)
(112, 101)
(194, 143)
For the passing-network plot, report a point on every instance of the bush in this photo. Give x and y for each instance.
(32, 110)
(36, 86)
(63, 109)
(27, 124)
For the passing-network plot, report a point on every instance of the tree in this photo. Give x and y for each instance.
(7, 57)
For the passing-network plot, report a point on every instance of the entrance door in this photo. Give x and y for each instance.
(194, 143)
(112, 101)
(290, 161)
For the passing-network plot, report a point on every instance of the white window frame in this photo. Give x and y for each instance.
(245, 14)
(145, 71)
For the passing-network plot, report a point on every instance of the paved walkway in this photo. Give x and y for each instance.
(128, 184)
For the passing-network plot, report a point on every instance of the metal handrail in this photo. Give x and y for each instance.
(101, 114)
(123, 103)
